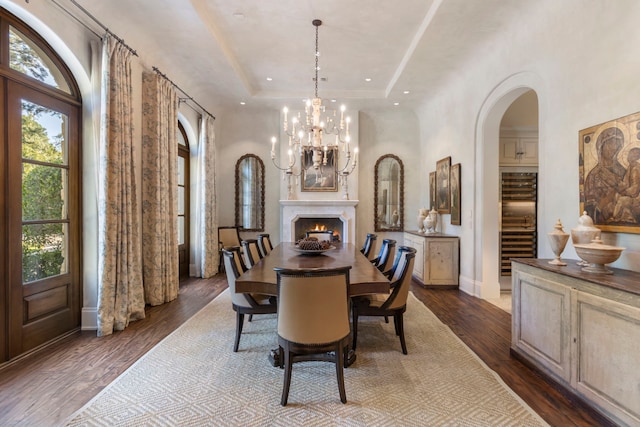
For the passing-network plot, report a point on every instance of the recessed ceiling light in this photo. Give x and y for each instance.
(333, 100)
(238, 15)
(269, 79)
(396, 103)
(405, 92)
(368, 79)
(242, 103)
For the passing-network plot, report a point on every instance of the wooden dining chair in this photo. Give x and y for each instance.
(313, 320)
(385, 257)
(244, 303)
(394, 304)
(264, 243)
(368, 249)
(228, 236)
(251, 252)
(321, 235)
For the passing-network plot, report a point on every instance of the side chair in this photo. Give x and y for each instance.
(264, 242)
(368, 249)
(385, 257)
(251, 252)
(394, 304)
(244, 303)
(313, 320)
(227, 236)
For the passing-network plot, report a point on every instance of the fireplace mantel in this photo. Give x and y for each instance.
(291, 210)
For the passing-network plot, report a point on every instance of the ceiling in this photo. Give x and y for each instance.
(222, 52)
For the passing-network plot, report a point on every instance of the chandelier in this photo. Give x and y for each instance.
(316, 136)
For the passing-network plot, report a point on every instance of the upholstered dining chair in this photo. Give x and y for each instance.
(244, 303)
(385, 257)
(227, 236)
(313, 320)
(368, 249)
(251, 252)
(321, 235)
(264, 242)
(394, 304)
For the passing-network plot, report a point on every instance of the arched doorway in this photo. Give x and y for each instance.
(487, 177)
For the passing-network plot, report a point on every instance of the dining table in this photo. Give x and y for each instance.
(364, 277)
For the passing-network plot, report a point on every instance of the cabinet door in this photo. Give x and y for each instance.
(529, 149)
(508, 151)
(416, 243)
(441, 263)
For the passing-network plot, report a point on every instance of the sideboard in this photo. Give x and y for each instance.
(437, 258)
(582, 330)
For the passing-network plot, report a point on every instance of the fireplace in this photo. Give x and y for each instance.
(302, 225)
(342, 213)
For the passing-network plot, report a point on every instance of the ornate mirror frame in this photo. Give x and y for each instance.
(250, 184)
(388, 195)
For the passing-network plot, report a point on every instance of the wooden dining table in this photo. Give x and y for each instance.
(364, 277)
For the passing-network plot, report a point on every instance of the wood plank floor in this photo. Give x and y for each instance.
(44, 388)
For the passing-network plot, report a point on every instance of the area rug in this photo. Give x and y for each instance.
(193, 378)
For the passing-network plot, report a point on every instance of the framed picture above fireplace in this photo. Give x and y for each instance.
(322, 178)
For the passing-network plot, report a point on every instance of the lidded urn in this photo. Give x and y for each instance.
(558, 239)
(584, 233)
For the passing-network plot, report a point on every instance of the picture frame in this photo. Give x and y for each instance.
(432, 190)
(609, 164)
(454, 176)
(325, 177)
(443, 192)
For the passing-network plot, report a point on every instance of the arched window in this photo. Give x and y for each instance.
(40, 192)
(183, 201)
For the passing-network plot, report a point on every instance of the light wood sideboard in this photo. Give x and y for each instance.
(582, 330)
(437, 258)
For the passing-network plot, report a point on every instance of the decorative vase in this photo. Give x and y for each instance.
(422, 214)
(431, 221)
(558, 239)
(584, 233)
(394, 218)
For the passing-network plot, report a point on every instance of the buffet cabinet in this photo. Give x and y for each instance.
(437, 258)
(582, 330)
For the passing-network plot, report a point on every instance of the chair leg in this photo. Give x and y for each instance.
(288, 362)
(400, 330)
(354, 326)
(250, 317)
(239, 323)
(339, 354)
(386, 319)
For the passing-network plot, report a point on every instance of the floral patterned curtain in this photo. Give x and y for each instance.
(207, 257)
(120, 291)
(159, 189)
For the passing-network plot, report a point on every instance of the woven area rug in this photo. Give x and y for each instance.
(193, 378)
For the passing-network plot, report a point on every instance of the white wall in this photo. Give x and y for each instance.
(579, 59)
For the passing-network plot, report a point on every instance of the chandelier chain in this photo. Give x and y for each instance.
(317, 55)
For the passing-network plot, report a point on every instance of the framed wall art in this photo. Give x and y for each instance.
(610, 174)
(432, 190)
(323, 178)
(443, 193)
(454, 177)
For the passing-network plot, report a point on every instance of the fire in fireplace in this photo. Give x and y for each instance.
(302, 225)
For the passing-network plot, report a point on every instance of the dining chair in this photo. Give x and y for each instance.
(227, 236)
(321, 235)
(244, 303)
(385, 257)
(251, 252)
(313, 320)
(264, 242)
(368, 249)
(394, 304)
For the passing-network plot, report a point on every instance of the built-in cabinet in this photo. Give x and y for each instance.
(582, 330)
(437, 258)
(519, 151)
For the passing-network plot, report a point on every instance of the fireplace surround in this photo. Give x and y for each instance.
(343, 210)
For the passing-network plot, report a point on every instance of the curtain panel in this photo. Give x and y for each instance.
(159, 189)
(207, 257)
(120, 290)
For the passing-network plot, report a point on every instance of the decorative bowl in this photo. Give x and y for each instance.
(597, 254)
(313, 251)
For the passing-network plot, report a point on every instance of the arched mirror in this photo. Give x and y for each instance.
(250, 193)
(389, 194)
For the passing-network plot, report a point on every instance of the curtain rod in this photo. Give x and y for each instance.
(190, 98)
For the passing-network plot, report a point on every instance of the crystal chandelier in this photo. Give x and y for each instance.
(313, 134)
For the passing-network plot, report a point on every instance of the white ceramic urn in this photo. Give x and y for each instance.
(558, 239)
(584, 233)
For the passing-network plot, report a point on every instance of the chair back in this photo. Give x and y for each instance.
(399, 254)
(369, 243)
(264, 242)
(229, 236)
(251, 252)
(238, 258)
(321, 235)
(386, 255)
(313, 305)
(230, 258)
(401, 280)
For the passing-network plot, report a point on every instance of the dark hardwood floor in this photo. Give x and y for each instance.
(44, 388)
